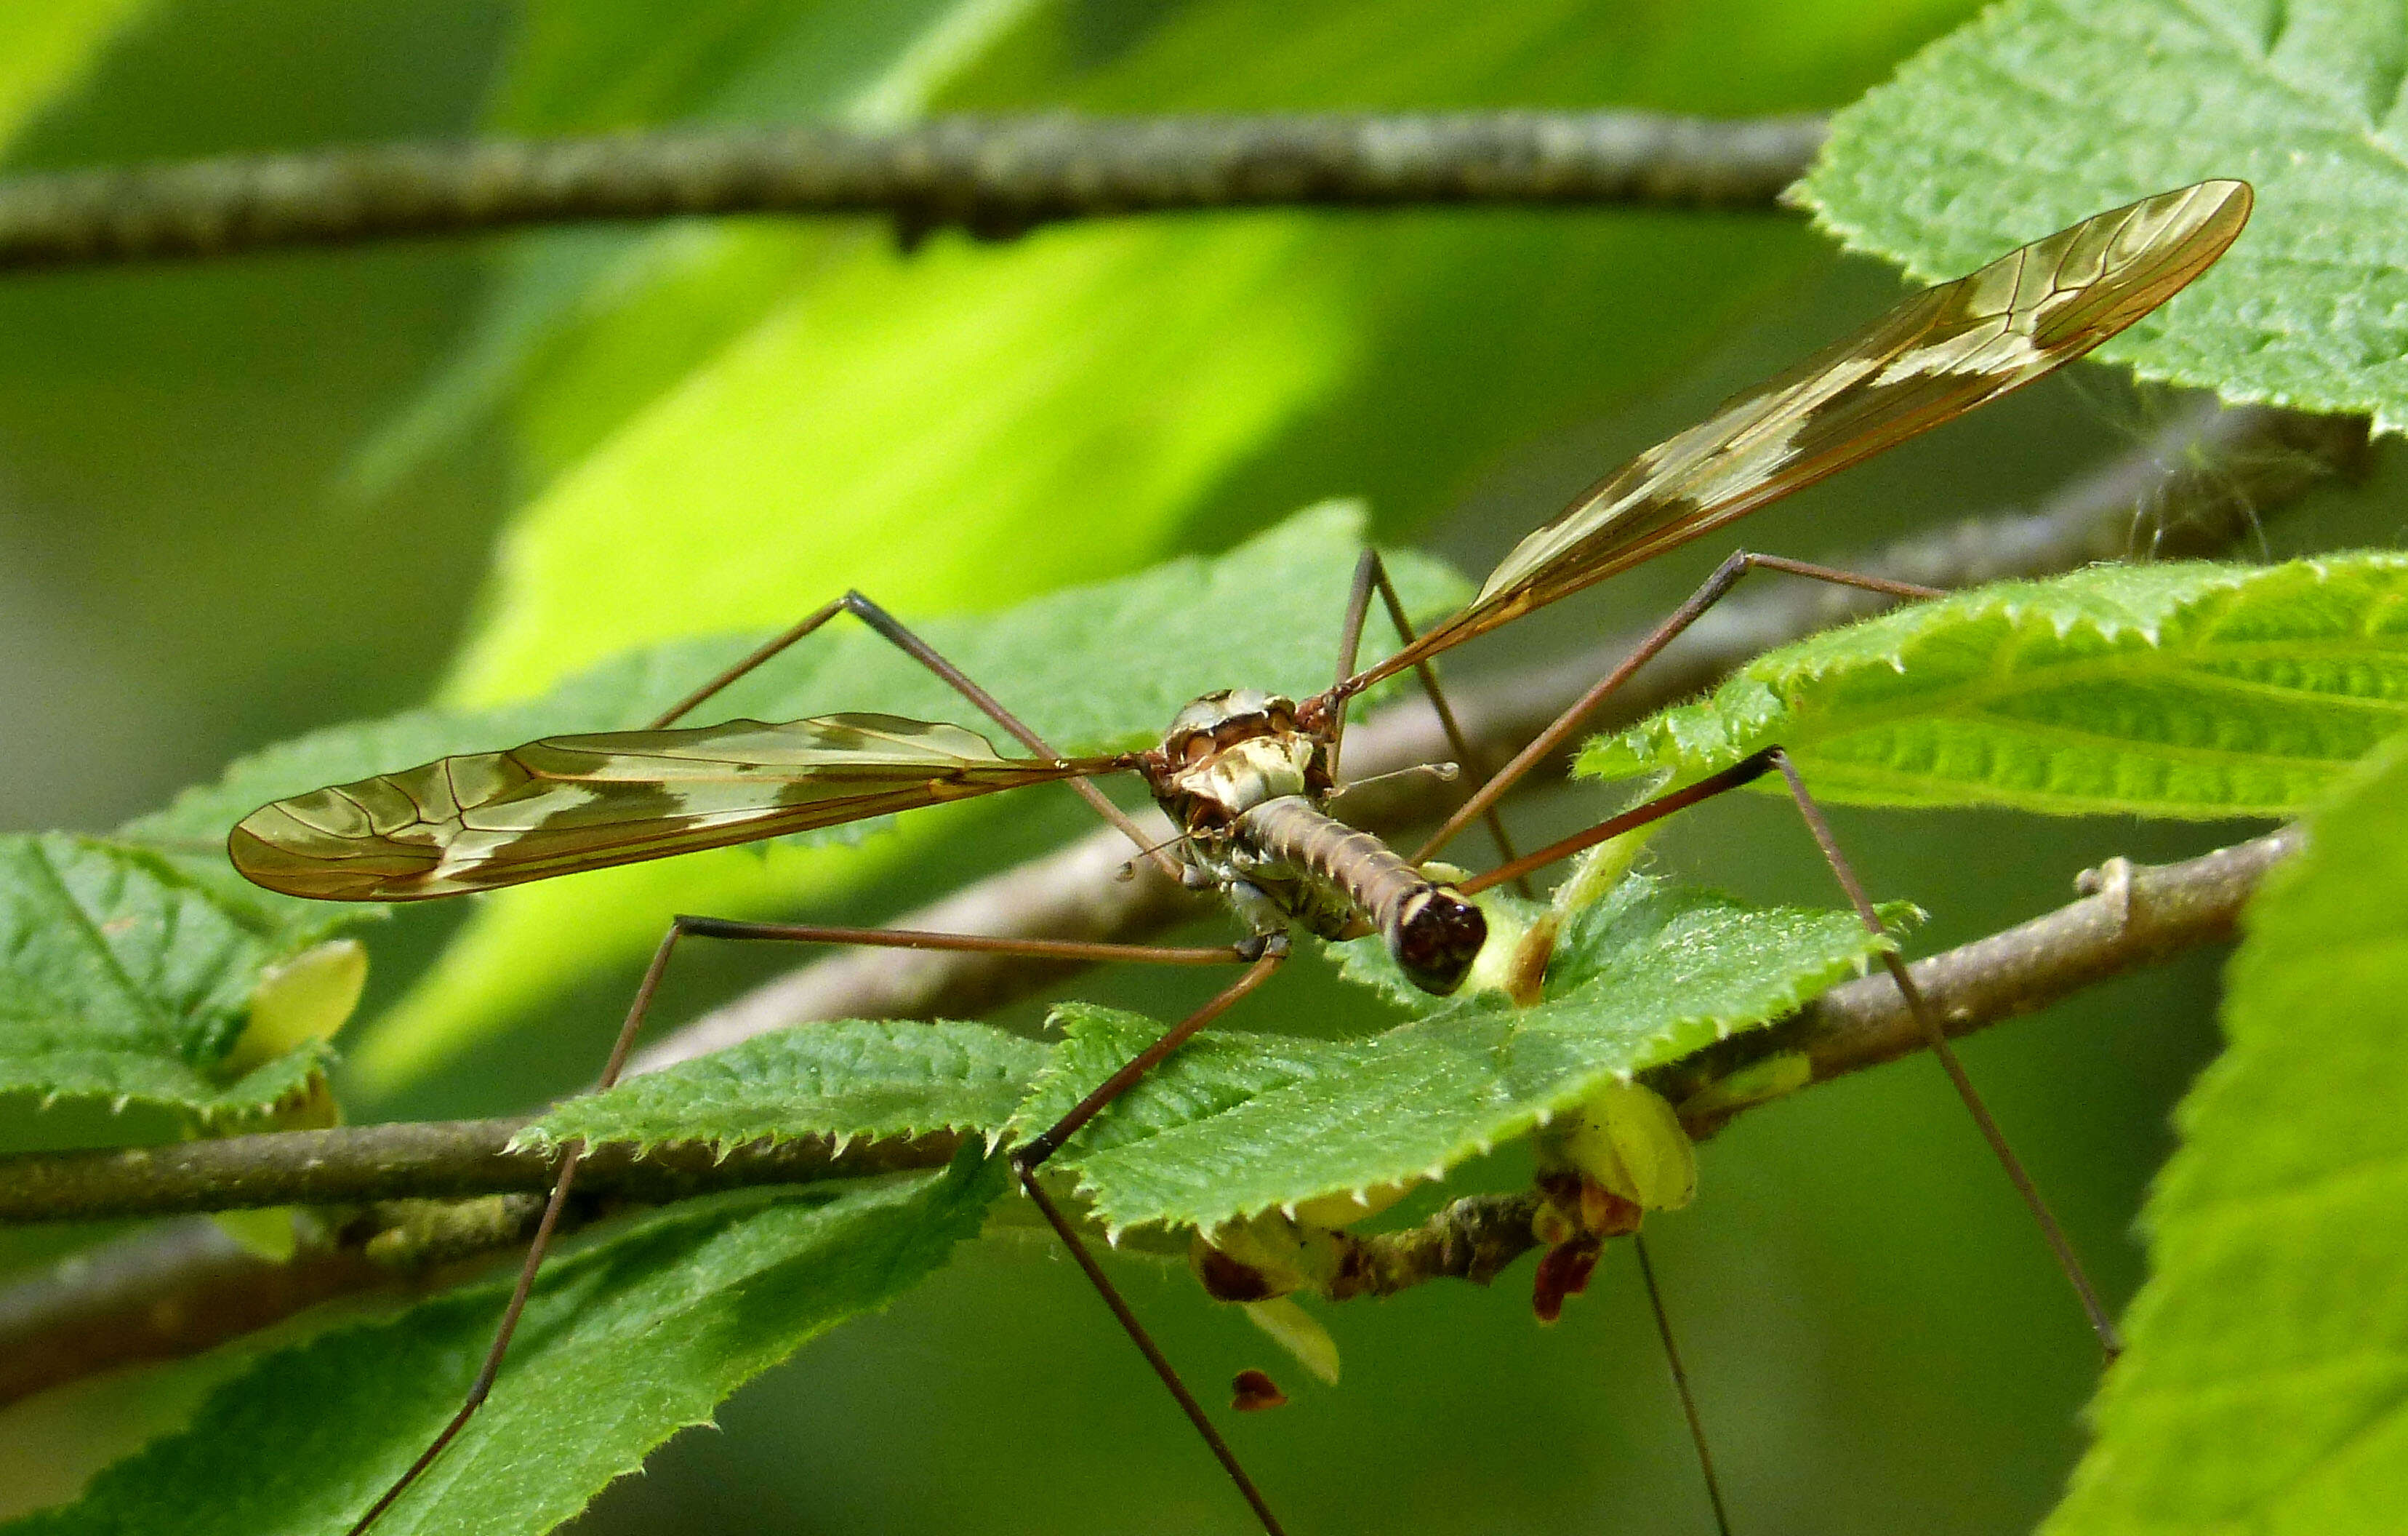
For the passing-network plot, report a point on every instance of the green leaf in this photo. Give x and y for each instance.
(584, 67)
(1268, 613)
(848, 1079)
(586, 326)
(2042, 111)
(1239, 1124)
(45, 50)
(2265, 1387)
(894, 437)
(2175, 690)
(623, 1343)
(123, 981)
(1086, 400)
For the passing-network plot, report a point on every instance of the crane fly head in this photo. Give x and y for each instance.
(1228, 752)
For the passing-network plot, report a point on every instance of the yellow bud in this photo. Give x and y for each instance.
(264, 1234)
(1263, 1256)
(1495, 969)
(1624, 1137)
(302, 998)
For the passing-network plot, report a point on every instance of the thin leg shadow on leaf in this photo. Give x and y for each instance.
(1247, 778)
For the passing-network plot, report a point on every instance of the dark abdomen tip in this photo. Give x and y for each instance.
(1435, 937)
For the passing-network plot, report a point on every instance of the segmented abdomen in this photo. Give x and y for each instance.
(1433, 933)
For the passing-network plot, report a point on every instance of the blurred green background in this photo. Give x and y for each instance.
(243, 499)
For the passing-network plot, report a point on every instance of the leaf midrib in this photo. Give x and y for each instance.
(2263, 66)
(158, 1014)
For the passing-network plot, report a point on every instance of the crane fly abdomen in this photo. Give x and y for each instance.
(1433, 933)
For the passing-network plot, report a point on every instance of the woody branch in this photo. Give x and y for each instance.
(993, 175)
(108, 1312)
(2135, 916)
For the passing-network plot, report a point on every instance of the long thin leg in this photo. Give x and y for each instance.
(1152, 1352)
(894, 631)
(981, 943)
(1371, 574)
(710, 928)
(1929, 1022)
(1031, 1155)
(1716, 586)
(1681, 1384)
(1037, 1149)
(483, 1385)
(1756, 765)
(1753, 767)
(1350, 642)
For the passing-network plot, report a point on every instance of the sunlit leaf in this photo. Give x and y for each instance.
(625, 1343)
(45, 48)
(1092, 396)
(2047, 110)
(585, 326)
(2176, 690)
(2266, 1384)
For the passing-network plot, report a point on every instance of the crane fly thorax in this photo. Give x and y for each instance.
(1225, 754)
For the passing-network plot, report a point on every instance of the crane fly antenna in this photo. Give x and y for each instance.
(1128, 866)
(1445, 773)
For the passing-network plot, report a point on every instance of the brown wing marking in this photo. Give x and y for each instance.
(1937, 355)
(569, 803)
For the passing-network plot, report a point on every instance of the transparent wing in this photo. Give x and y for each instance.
(1936, 356)
(569, 803)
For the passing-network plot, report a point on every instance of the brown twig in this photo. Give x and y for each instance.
(2136, 916)
(993, 175)
(167, 1295)
(431, 1160)
(180, 1288)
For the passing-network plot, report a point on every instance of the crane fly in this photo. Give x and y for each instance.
(1246, 776)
